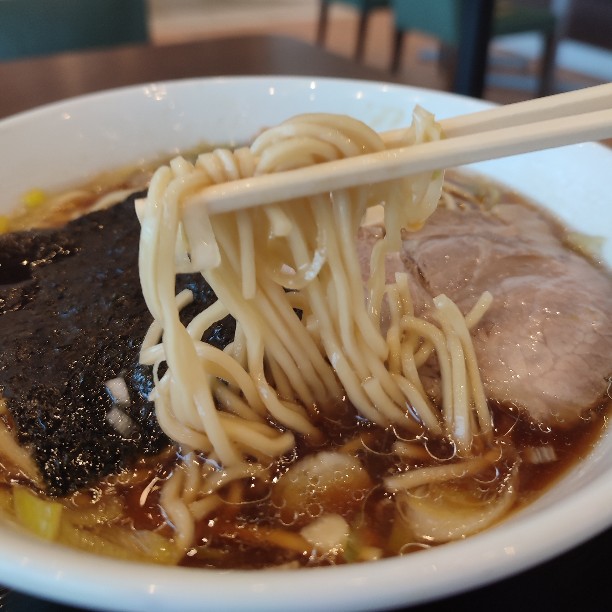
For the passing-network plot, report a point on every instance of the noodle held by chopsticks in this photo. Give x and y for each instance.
(289, 367)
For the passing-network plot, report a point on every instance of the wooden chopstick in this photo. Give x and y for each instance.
(563, 119)
(576, 102)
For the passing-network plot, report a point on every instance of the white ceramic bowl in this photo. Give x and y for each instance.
(65, 143)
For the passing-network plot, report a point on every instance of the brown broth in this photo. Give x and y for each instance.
(243, 535)
(254, 533)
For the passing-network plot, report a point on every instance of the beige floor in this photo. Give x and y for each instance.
(176, 20)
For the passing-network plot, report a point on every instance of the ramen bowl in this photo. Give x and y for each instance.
(67, 143)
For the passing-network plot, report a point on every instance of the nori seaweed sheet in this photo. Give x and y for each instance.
(72, 316)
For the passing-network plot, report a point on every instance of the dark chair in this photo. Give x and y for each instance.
(441, 19)
(365, 7)
(41, 27)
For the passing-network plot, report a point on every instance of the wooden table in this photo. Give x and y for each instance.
(575, 580)
(32, 82)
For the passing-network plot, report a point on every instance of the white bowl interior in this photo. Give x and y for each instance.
(66, 143)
